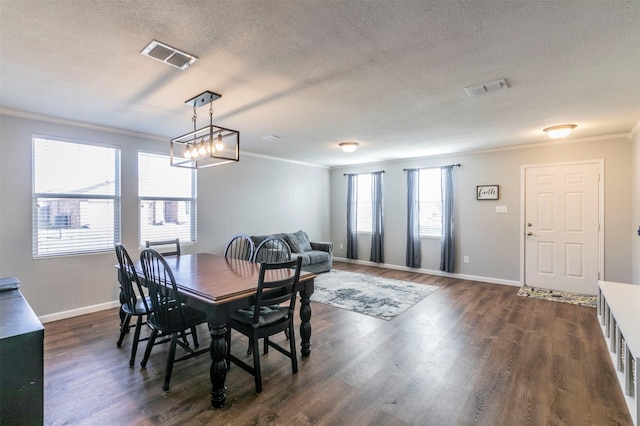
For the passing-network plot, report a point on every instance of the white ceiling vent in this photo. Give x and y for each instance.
(489, 86)
(169, 55)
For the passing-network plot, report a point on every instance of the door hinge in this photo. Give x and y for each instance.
(598, 275)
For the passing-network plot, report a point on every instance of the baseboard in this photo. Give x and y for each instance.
(80, 311)
(114, 304)
(432, 272)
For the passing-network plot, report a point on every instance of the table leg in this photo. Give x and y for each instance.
(305, 324)
(218, 371)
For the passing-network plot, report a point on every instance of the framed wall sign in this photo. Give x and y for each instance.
(487, 192)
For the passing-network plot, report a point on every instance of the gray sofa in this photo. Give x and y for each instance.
(316, 256)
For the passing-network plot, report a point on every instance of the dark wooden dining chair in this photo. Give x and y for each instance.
(166, 247)
(240, 247)
(133, 299)
(272, 250)
(277, 284)
(170, 316)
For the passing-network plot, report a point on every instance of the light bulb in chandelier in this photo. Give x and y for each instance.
(202, 149)
(219, 144)
(187, 151)
(194, 151)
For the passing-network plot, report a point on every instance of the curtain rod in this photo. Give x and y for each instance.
(363, 173)
(435, 167)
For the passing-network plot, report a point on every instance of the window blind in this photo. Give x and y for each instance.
(167, 200)
(364, 214)
(76, 197)
(430, 202)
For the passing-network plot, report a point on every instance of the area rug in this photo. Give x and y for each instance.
(368, 294)
(558, 296)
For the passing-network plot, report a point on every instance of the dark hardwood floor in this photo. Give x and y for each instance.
(469, 354)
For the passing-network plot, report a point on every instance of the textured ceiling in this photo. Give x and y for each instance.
(387, 74)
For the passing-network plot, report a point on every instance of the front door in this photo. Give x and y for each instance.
(562, 217)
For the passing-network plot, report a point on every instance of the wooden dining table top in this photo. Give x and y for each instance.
(216, 279)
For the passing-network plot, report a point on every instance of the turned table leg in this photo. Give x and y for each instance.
(218, 370)
(305, 316)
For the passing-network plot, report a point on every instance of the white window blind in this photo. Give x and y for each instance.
(364, 214)
(167, 198)
(430, 197)
(76, 197)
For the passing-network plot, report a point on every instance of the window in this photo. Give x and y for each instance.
(430, 202)
(364, 214)
(167, 197)
(76, 197)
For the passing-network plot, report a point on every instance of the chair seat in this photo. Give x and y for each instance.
(174, 321)
(139, 309)
(268, 315)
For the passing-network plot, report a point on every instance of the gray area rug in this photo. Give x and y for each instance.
(368, 294)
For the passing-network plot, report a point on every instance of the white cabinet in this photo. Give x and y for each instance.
(619, 316)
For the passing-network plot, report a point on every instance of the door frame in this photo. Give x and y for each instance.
(523, 196)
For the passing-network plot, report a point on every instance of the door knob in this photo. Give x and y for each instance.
(529, 224)
(530, 234)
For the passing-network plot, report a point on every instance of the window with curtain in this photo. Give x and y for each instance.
(167, 199)
(430, 199)
(364, 212)
(76, 197)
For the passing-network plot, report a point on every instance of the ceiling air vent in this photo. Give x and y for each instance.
(169, 55)
(489, 86)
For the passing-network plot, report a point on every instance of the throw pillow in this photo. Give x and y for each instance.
(299, 242)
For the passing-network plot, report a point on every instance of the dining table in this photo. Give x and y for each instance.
(219, 286)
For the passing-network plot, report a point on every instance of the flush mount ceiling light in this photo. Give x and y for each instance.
(208, 146)
(169, 55)
(349, 146)
(560, 131)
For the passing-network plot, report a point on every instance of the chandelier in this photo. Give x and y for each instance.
(208, 146)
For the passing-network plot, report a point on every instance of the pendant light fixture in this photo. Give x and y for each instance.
(208, 146)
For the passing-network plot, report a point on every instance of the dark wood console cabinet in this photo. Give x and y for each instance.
(21, 361)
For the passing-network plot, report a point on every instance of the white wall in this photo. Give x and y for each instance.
(262, 196)
(256, 195)
(491, 240)
(635, 217)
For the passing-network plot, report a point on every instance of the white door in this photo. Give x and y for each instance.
(562, 227)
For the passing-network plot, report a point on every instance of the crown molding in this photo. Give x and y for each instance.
(79, 124)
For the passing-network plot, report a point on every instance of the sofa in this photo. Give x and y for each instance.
(316, 256)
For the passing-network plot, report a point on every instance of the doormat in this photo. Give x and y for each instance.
(371, 295)
(558, 296)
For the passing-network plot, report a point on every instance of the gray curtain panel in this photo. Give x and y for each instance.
(352, 210)
(447, 254)
(377, 231)
(414, 255)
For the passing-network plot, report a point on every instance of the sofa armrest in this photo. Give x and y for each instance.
(323, 246)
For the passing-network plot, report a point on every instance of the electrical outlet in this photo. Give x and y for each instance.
(341, 246)
(465, 259)
(501, 209)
